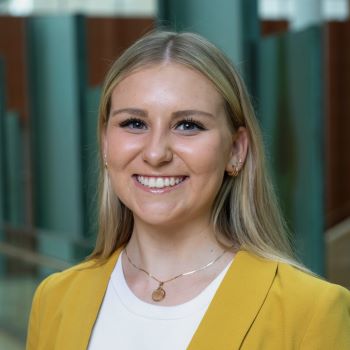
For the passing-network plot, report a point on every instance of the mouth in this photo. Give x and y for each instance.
(160, 182)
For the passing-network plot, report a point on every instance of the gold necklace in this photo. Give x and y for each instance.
(159, 293)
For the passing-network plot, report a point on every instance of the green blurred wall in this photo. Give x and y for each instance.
(14, 170)
(291, 111)
(229, 24)
(2, 160)
(55, 110)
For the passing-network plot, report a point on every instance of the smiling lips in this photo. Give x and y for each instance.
(159, 182)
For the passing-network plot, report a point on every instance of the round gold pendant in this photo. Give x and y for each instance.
(158, 294)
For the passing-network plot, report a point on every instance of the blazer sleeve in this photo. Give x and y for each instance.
(329, 326)
(33, 332)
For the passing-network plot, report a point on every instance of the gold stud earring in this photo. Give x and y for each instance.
(236, 169)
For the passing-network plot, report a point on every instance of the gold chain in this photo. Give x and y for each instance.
(159, 293)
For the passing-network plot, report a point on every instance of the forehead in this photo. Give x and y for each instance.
(167, 83)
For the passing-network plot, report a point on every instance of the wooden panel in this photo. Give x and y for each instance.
(107, 38)
(273, 27)
(337, 122)
(13, 50)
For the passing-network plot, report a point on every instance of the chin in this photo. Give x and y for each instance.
(160, 219)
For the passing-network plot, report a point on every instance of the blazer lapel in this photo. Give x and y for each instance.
(235, 304)
(84, 304)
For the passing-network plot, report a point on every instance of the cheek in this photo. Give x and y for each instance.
(208, 155)
(121, 147)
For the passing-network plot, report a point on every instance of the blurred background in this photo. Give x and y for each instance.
(294, 56)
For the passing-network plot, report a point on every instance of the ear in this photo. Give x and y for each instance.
(240, 144)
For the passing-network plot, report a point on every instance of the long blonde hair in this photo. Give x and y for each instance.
(245, 211)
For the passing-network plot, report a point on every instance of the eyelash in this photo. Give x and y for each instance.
(195, 123)
(128, 123)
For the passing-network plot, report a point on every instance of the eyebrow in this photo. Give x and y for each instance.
(133, 111)
(178, 114)
(189, 112)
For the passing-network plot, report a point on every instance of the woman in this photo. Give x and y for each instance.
(192, 251)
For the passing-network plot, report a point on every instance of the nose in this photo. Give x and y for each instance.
(158, 150)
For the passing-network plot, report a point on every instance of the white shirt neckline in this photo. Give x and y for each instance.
(143, 309)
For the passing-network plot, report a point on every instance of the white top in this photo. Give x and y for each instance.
(126, 322)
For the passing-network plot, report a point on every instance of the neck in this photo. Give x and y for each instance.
(169, 251)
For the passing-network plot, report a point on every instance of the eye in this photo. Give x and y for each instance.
(133, 123)
(189, 125)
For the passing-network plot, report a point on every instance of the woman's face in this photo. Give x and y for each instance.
(167, 144)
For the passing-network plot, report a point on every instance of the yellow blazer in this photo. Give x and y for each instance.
(260, 304)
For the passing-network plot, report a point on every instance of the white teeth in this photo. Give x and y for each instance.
(152, 182)
(159, 182)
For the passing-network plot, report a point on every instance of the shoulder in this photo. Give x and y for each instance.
(91, 274)
(286, 280)
(295, 281)
(323, 305)
(323, 308)
(62, 298)
(69, 276)
(54, 288)
(293, 286)
(54, 294)
(313, 311)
